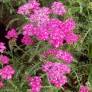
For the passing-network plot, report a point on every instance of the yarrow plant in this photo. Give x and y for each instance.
(43, 38)
(46, 28)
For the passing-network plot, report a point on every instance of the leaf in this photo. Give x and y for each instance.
(62, 0)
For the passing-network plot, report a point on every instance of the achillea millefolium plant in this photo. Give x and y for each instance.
(39, 56)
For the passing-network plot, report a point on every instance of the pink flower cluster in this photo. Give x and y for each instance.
(59, 54)
(28, 29)
(26, 40)
(40, 17)
(56, 73)
(84, 88)
(4, 59)
(2, 47)
(34, 83)
(45, 27)
(7, 72)
(58, 8)
(55, 32)
(28, 8)
(12, 34)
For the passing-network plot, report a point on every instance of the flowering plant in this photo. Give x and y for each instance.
(39, 54)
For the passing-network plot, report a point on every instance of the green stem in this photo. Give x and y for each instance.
(13, 85)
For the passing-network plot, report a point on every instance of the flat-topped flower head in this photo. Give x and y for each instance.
(28, 29)
(40, 17)
(7, 72)
(34, 83)
(60, 54)
(56, 38)
(65, 56)
(71, 38)
(57, 80)
(56, 34)
(84, 88)
(54, 24)
(4, 59)
(42, 34)
(58, 8)
(54, 67)
(47, 66)
(2, 47)
(27, 40)
(56, 73)
(12, 34)
(68, 25)
(28, 8)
